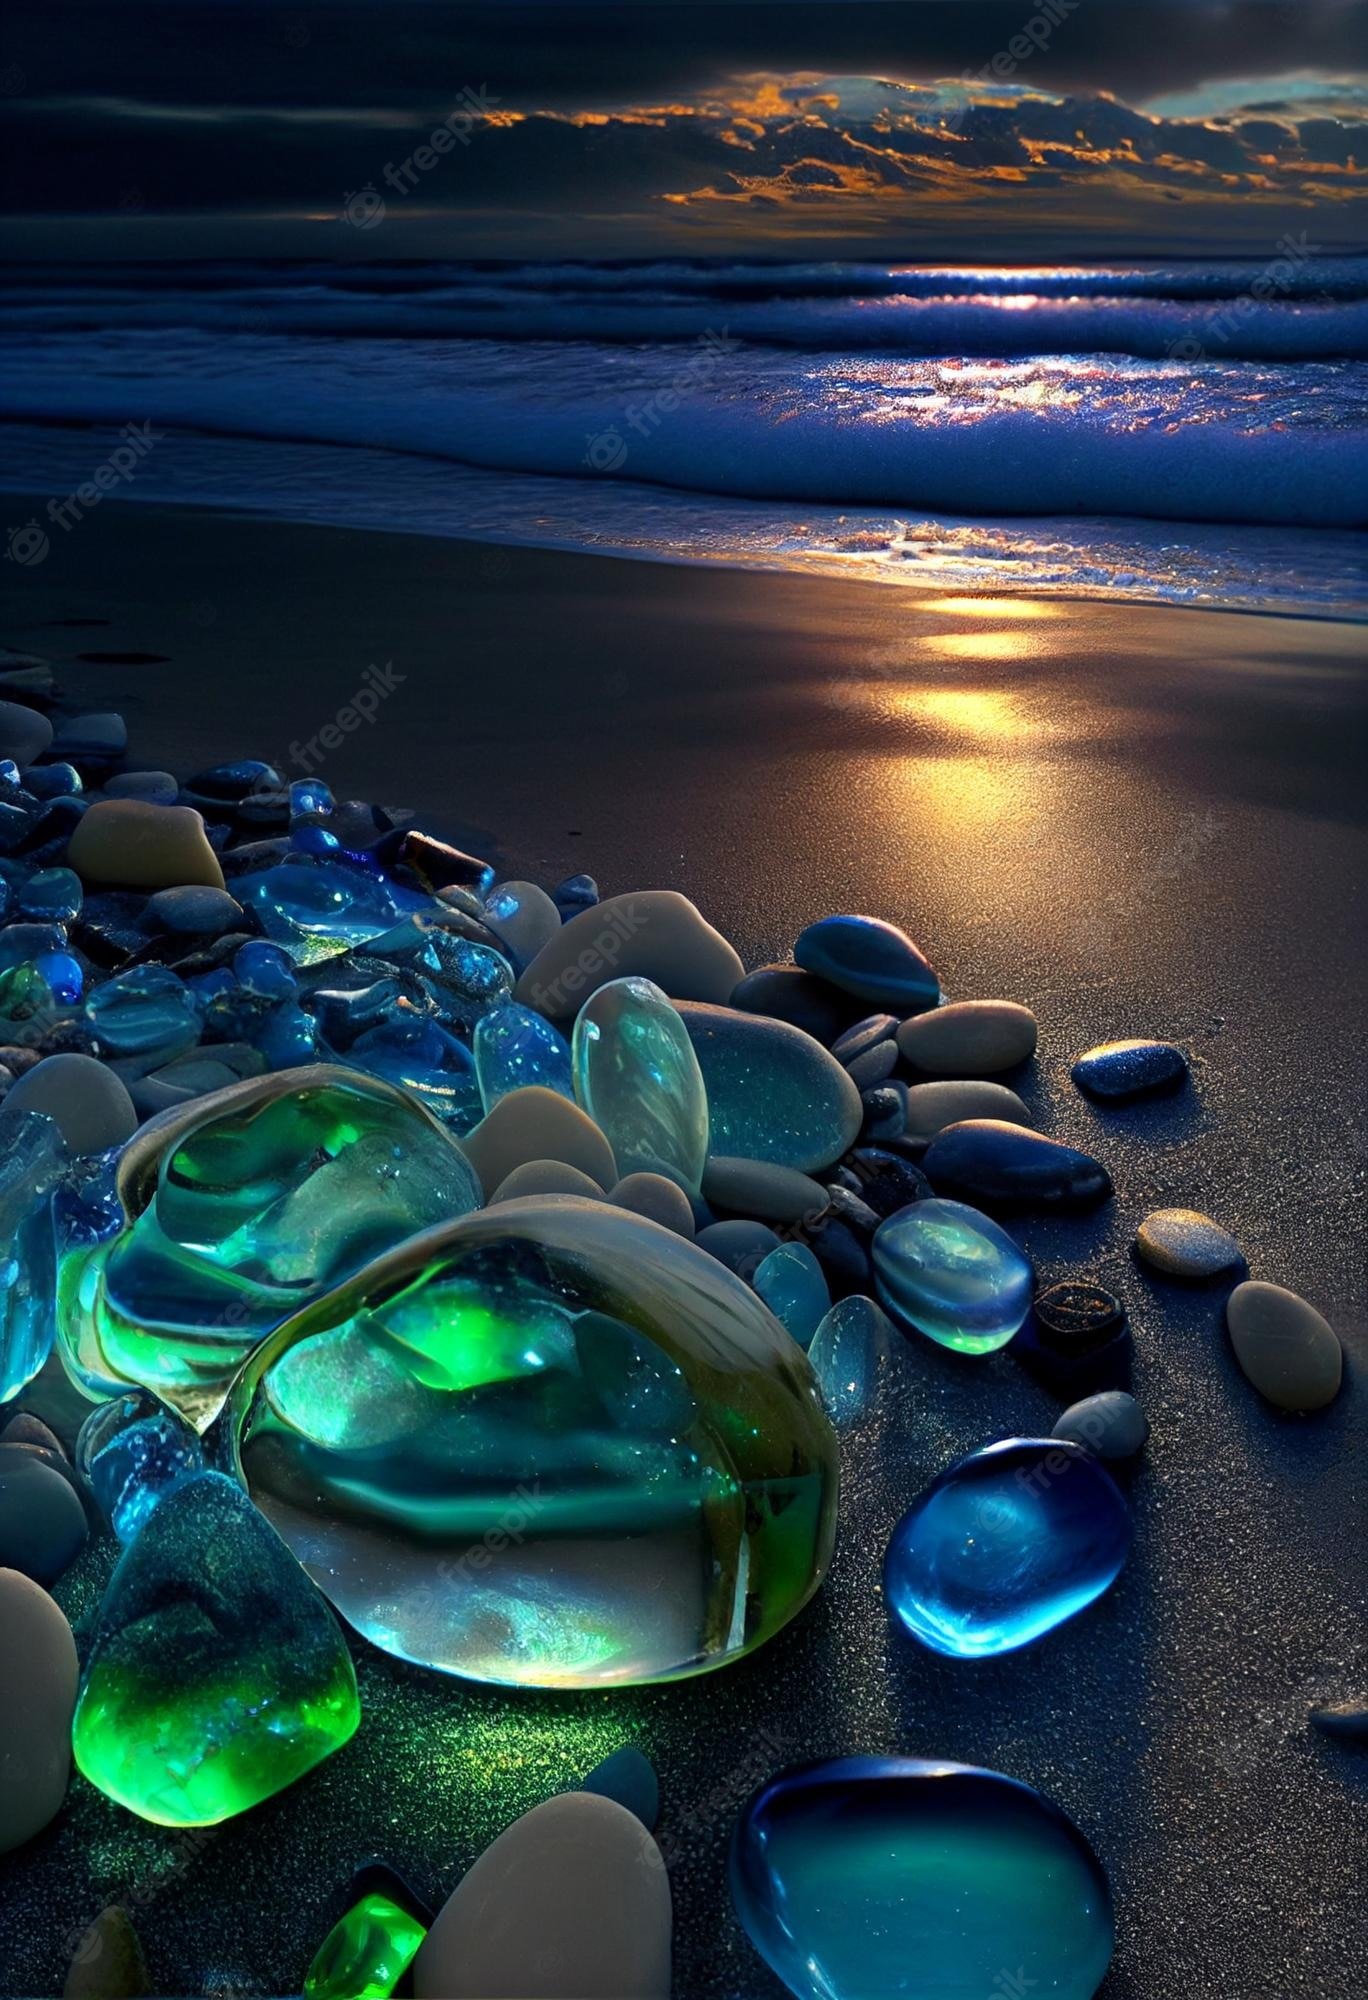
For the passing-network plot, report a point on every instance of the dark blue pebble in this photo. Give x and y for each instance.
(226, 784)
(872, 1066)
(842, 1251)
(866, 1034)
(42, 1523)
(738, 1245)
(888, 1179)
(1076, 1339)
(872, 959)
(1129, 1069)
(785, 993)
(629, 1779)
(885, 1110)
(575, 893)
(985, 1159)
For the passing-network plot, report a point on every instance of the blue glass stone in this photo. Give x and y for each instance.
(22, 943)
(465, 978)
(794, 1287)
(132, 1452)
(146, 1010)
(991, 1160)
(54, 781)
(575, 893)
(637, 1076)
(1006, 1544)
(308, 838)
(32, 1158)
(871, 959)
(515, 1047)
(53, 895)
(1129, 1069)
(851, 1355)
(316, 909)
(265, 971)
(63, 974)
(953, 1274)
(86, 1208)
(309, 796)
(287, 1037)
(424, 1058)
(866, 1878)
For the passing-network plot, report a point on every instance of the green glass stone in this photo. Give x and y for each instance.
(637, 1076)
(240, 1209)
(217, 1675)
(550, 1445)
(366, 1953)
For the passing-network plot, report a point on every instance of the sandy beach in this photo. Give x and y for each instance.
(1138, 821)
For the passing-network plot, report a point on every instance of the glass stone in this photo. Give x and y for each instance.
(32, 1160)
(866, 1878)
(23, 943)
(953, 1274)
(131, 1452)
(310, 797)
(793, 1285)
(265, 971)
(366, 1953)
(144, 1011)
(63, 973)
(1006, 1544)
(852, 1355)
(27, 1004)
(515, 1047)
(315, 909)
(217, 1675)
(637, 1076)
(466, 979)
(426, 1060)
(239, 1214)
(551, 1445)
(53, 895)
(773, 1092)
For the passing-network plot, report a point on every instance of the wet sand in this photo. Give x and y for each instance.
(1137, 820)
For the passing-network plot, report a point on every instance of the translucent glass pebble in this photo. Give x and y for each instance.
(894, 1878)
(53, 895)
(317, 908)
(554, 1446)
(144, 1011)
(240, 1213)
(851, 1356)
(428, 1061)
(32, 1159)
(131, 1452)
(513, 1047)
(1006, 1544)
(217, 1674)
(637, 1076)
(64, 976)
(953, 1274)
(366, 1953)
(794, 1287)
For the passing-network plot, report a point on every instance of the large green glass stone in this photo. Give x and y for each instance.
(240, 1209)
(217, 1675)
(366, 1953)
(552, 1444)
(637, 1076)
(868, 1878)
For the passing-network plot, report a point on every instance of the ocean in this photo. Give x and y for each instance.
(1185, 432)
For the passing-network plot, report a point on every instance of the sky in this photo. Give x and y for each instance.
(985, 129)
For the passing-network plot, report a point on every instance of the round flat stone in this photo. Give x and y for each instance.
(538, 1124)
(658, 1199)
(991, 1160)
(154, 788)
(872, 959)
(741, 1246)
(24, 733)
(1077, 1315)
(38, 1678)
(865, 1035)
(126, 844)
(1129, 1069)
(761, 1189)
(773, 1092)
(1110, 1424)
(1186, 1244)
(42, 1523)
(108, 1962)
(655, 933)
(1289, 1352)
(87, 1102)
(570, 1900)
(933, 1106)
(192, 911)
(546, 1177)
(969, 1038)
(787, 993)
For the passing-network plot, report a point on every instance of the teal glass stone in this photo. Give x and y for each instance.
(515, 1047)
(1006, 1544)
(237, 1213)
(852, 1357)
(793, 1285)
(549, 1445)
(953, 1274)
(426, 1059)
(896, 1878)
(132, 1452)
(464, 978)
(773, 1092)
(32, 1160)
(144, 1011)
(637, 1076)
(53, 895)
